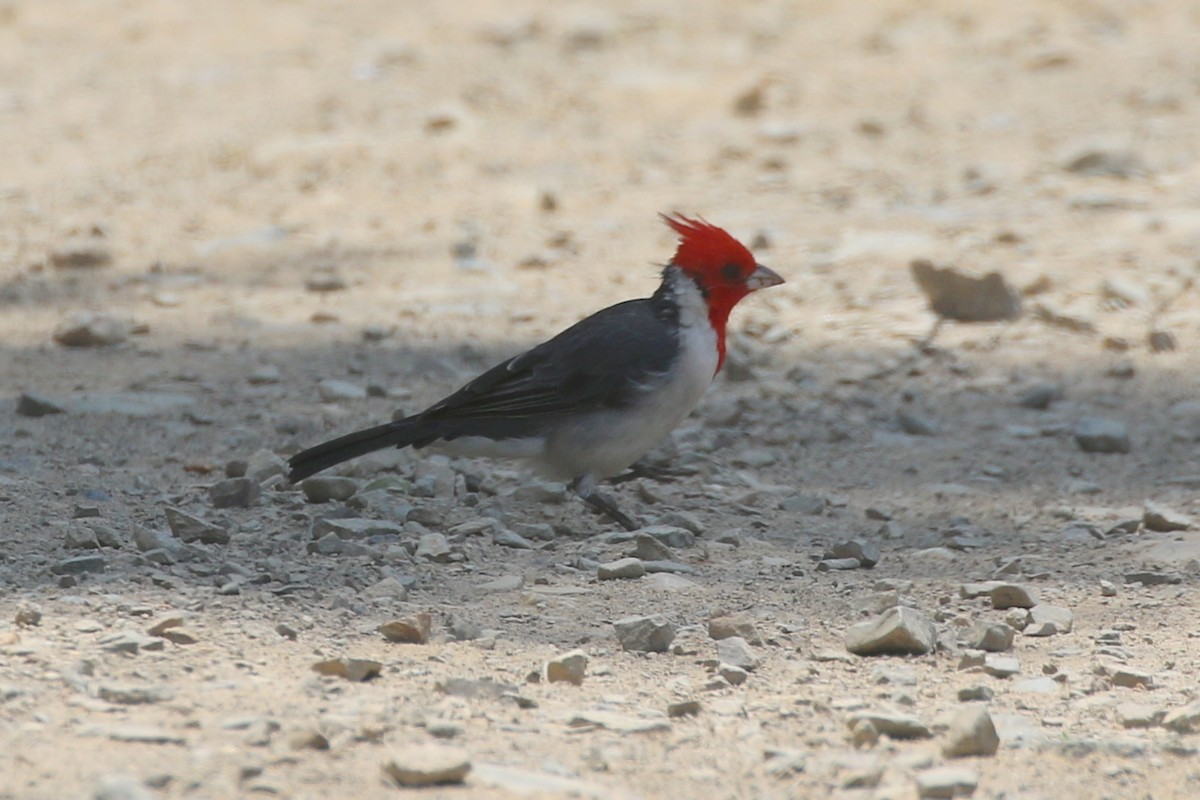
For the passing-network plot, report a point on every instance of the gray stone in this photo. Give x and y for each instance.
(120, 787)
(81, 252)
(1151, 578)
(621, 568)
(867, 553)
(80, 537)
(193, 529)
(990, 636)
(649, 634)
(682, 519)
(970, 694)
(620, 723)
(650, 548)
(915, 424)
(355, 528)
(324, 488)
(671, 535)
(733, 675)
(434, 547)
(265, 375)
(898, 631)
(1184, 719)
(897, 726)
(264, 464)
(1042, 685)
(1140, 715)
(133, 695)
(683, 708)
(1013, 595)
(1001, 666)
(443, 728)
(736, 651)
(668, 566)
(1161, 519)
(539, 531)
(809, 504)
(91, 329)
(1104, 160)
(324, 280)
(427, 765)
(386, 589)
(503, 537)
(131, 642)
(331, 391)
(971, 733)
(946, 782)
(413, 629)
(838, 564)
(1131, 678)
(1047, 620)
(971, 590)
(724, 627)
(355, 670)
(1040, 396)
(1099, 435)
(234, 493)
(568, 667)
(1017, 619)
(79, 565)
(504, 583)
(33, 404)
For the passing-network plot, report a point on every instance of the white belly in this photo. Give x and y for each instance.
(604, 443)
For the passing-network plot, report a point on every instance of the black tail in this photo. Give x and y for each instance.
(400, 433)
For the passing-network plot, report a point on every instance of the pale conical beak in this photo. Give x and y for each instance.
(762, 278)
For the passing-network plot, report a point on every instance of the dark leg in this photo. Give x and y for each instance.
(585, 487)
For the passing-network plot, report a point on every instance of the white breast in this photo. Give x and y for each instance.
(606, 442)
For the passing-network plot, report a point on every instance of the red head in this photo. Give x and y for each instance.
(720, 265)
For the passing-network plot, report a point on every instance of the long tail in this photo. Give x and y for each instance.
(400, 433)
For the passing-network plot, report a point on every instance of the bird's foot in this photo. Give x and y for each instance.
(585, 487)
(605, 505)
(654, 472)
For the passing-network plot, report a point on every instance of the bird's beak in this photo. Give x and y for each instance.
(761, 278)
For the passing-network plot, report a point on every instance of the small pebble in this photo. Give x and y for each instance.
(1099, 435)
(621, 568)
(413, 629)
(1013, 595)
(234, 493)
(736, 651)
(569, 667)
(898, 631)
(946, 782)
(649, 634)
(427, 765)
(971, 733)
(322, 489)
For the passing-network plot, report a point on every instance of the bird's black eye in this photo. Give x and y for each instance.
(732, 273)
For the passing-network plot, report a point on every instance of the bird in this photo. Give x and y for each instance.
(585, 405)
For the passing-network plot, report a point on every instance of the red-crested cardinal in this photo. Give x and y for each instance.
(588, 403)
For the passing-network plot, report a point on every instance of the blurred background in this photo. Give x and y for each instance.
(491, 144)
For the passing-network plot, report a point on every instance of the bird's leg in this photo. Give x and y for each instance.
(585, 487)
(654, 472)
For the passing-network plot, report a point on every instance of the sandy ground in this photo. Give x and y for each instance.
(469, 179)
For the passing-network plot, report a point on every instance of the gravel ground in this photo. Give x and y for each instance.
(907, 560)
